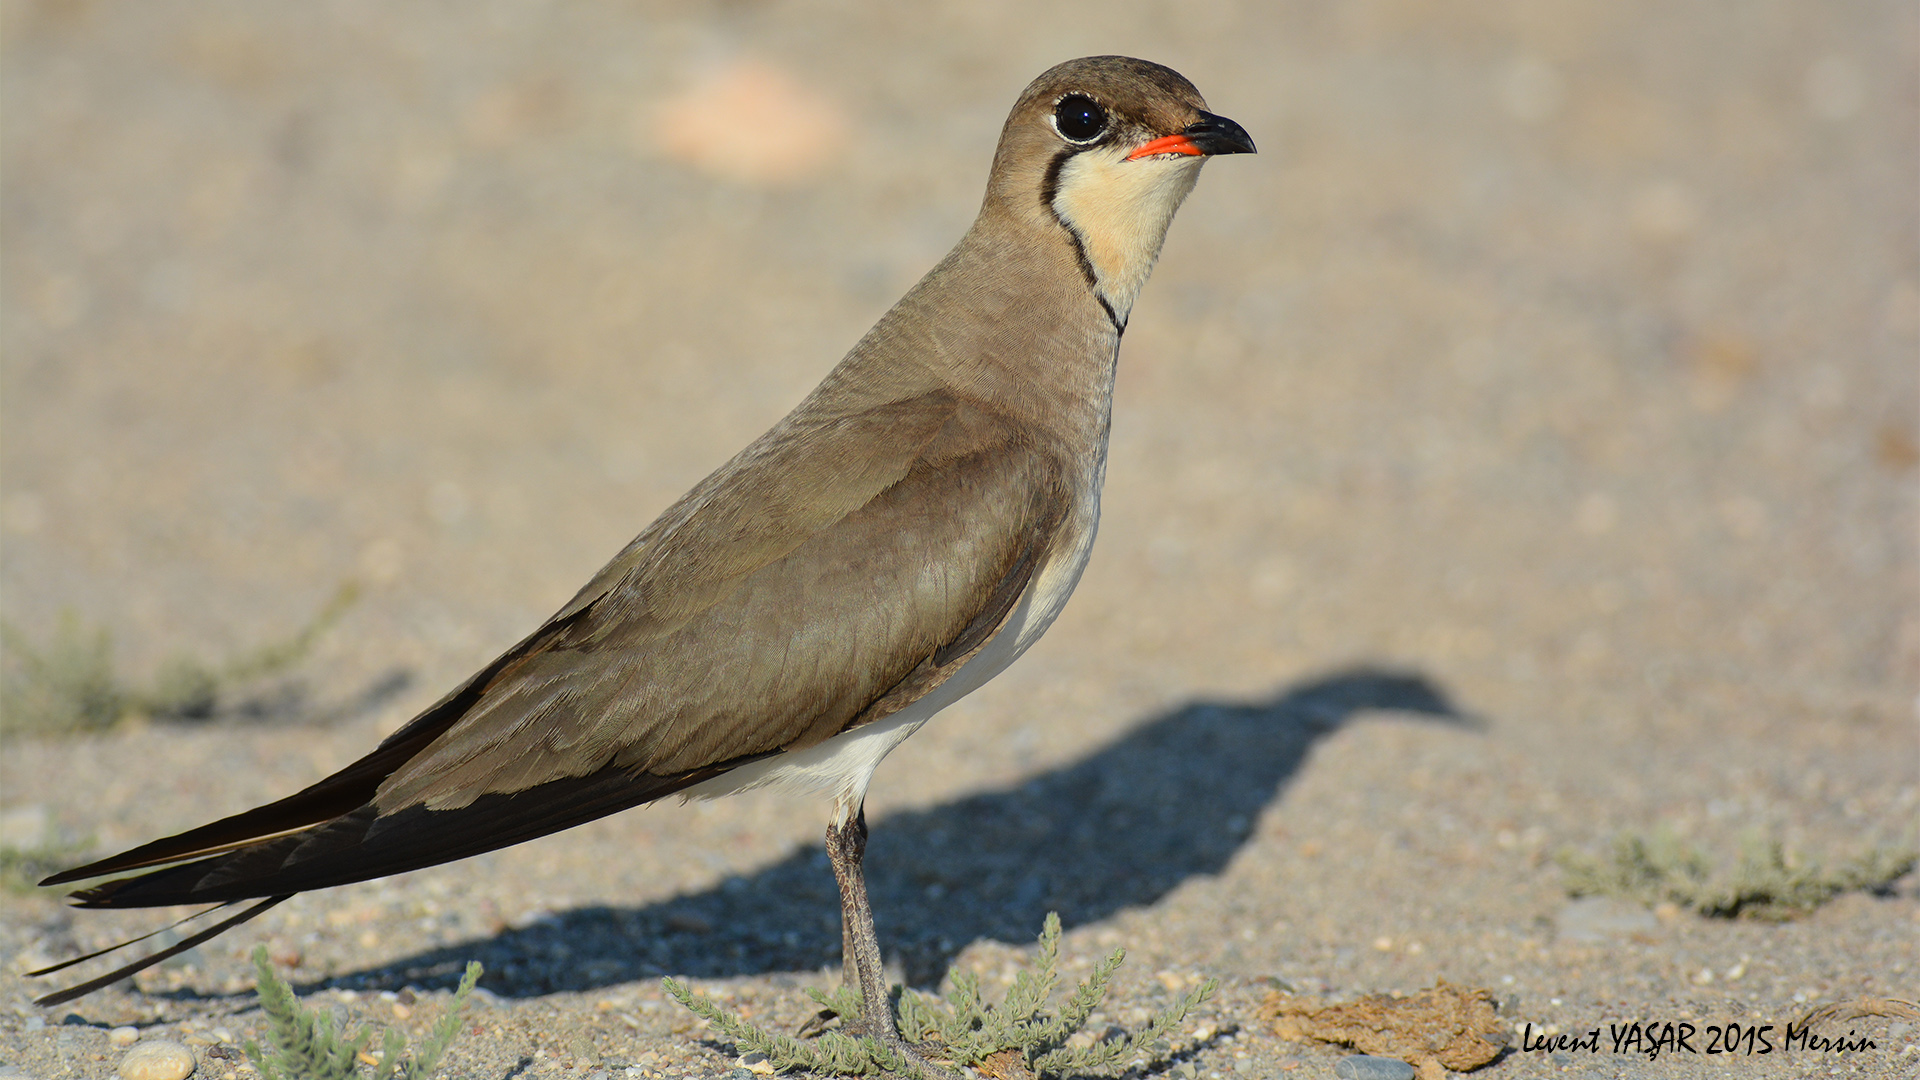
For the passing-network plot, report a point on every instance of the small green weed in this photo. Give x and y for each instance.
(1765, 881)
(305, 1046)
(965, 1029)
(69, 686)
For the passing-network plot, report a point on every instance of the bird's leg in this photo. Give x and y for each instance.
(860, 944)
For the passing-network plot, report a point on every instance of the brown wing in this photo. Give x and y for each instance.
(749, 620)
(781, 631)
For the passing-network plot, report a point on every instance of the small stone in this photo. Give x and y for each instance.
(1369, 1067)
(124, 1036)
(14, 1072)
(158, 1060)
(756, 1063)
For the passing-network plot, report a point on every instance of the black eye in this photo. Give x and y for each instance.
(1079, 119)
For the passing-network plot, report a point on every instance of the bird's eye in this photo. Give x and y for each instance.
(1079, 119)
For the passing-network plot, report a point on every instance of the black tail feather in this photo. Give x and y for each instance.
(341, 793)
(61, 997)
(365, 844)
(357, 844)
(97, 953)
(336, 795)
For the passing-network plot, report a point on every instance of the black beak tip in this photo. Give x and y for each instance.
(1219, 135)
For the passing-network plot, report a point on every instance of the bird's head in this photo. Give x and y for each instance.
(1107, 147)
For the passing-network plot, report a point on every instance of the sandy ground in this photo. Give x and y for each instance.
(1520, 450)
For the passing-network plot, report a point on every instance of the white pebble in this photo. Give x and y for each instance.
(124, 1036)
(159, 1060)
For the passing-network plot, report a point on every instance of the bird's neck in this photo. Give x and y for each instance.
(1116, 213)
(1037, 340)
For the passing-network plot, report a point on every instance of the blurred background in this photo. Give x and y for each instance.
(1562, 355)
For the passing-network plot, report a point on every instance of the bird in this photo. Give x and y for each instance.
(899, 538)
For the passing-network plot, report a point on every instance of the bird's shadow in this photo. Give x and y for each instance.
(1172, 799)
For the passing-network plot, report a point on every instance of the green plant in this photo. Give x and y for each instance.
(305, 1046)
(69, 686)
(1764, 882)
(963, 1028)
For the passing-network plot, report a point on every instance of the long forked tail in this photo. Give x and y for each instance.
(353, 846)
(61, 997)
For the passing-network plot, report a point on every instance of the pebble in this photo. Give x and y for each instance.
(1369, 1067)
(14, 1072)
(158, 1060)
(124, 1036)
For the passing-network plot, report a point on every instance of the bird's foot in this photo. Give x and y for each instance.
(911, 1056)
(909, 1059)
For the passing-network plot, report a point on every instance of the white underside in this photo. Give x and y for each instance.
(844, 764)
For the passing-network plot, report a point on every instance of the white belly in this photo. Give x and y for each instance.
(844, 764)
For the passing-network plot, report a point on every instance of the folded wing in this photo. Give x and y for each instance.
(745, 623)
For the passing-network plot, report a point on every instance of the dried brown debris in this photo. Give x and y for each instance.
(1005, 1065)
(1447, 1027)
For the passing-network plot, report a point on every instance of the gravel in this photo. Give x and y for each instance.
(1520, 450)
(1369, 1067)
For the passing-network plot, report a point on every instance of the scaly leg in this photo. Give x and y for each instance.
(860, 944)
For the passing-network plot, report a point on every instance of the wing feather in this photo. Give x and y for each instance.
(807, 611)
